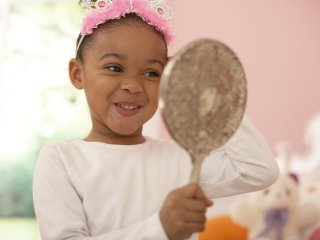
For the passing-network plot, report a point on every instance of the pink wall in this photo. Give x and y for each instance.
(278, 43)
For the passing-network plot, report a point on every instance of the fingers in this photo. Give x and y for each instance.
(194, 217)
(187, 229)
(199, 194)
(194, 205)
(193, 190)
(182, 229)
(184, 211)
(196, 227)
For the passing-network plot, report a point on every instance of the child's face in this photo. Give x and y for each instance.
(120, 74)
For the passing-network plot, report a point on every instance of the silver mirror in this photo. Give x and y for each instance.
(203, 98)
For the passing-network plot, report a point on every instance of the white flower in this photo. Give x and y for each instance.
(161, 8)
(102, 4)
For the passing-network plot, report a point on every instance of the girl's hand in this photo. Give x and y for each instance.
(184, 212)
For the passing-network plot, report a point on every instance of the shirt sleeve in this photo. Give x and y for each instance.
(60, 213)
(244, 164)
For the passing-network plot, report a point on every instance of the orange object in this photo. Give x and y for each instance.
(223, 228)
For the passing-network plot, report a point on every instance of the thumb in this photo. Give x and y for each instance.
(199, 194)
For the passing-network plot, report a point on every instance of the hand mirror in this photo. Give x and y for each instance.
(203, 98)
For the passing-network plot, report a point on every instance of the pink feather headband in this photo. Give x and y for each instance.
(154, 12)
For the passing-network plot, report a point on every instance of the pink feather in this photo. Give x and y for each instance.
(120, 8)
(143, 10)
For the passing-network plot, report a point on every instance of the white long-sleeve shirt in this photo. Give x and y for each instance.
(96, 191)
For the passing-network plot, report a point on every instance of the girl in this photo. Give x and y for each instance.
(117, 183)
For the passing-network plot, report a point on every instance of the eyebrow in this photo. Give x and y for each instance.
(151, 61)
(121, 57)
(115, 55)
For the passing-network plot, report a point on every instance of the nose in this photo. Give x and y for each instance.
(132, 84)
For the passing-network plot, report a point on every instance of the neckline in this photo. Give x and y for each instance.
(115, 146)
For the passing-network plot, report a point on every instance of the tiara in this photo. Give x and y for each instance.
(154, 12)
(158, 6)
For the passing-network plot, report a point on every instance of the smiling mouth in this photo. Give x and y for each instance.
(127, 109)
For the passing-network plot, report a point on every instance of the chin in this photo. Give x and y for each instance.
(126, 131)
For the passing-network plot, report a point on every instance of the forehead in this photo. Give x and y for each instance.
(136, 39)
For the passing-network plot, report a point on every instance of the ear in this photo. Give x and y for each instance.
(76, 73)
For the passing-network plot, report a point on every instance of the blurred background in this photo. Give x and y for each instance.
(37, 103)
(277, 42)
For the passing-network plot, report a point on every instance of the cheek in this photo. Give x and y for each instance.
(98, 97)
(99, 85)
(153, 89)
(153, 96)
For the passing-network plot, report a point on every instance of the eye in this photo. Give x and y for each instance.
(116, 69)
(152, 74)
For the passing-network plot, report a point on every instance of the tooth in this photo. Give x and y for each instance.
(128, 107)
